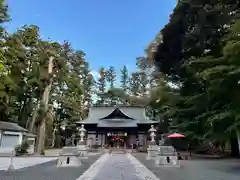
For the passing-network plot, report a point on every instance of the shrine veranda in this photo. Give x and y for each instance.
(118, 126)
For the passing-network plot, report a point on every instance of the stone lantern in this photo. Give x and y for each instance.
(82, 131)
(152, 132)
(82, 146)
(152, 148)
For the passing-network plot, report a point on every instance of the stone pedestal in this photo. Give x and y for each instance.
(82, 149)
(69, 157)
(168, 160)
(152, 151)
(166, 156)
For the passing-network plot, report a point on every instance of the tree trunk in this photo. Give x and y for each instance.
(41, 140)
(238, 140)
(42, 129)
(26, 109)
(234, 147)
(54, 137)
(22, 112)
(33, 122)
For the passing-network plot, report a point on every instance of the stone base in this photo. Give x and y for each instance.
(152, 143)
(169, 161)
(69, 161)
(152, 152)
(83, 150)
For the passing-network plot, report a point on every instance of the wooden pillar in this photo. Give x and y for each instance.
(97, 137)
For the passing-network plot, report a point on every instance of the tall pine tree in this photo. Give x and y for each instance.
(124, 79)
(101, 86)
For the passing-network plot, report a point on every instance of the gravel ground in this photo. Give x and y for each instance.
(199, 169)
(48, 171)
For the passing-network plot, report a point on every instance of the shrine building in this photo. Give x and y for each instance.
(118, 126)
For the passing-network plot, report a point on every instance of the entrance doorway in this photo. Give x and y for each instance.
(117, 139)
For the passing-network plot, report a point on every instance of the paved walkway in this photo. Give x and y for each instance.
(118, 167)
(48, 171)
(23, 162)
(195, 169)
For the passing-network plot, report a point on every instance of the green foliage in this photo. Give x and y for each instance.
(101, 86)
(22, 148)
(124, 79)
(200, 49)
(111, 76)
(24, 77)
(4, 12)
(42, 152)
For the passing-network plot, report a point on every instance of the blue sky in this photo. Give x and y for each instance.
(110, 32)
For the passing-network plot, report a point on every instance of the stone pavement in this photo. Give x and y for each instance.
(49, 171)
(107, 167)
(22, 162)
(196, 169)
(128, 167)
(118, 167)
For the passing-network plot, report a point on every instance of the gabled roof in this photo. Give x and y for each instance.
(98, 114)
(116, 113)
(7, 126)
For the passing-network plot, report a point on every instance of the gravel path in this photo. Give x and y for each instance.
(48, 171)
(195, 169)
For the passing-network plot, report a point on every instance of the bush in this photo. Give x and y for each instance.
(21, 149)
(42, 152)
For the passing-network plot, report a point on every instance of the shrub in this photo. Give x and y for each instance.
(42, 152)
(21, 149)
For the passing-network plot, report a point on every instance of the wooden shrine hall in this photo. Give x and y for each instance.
(118, 126)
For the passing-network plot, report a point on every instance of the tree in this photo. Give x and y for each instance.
(197, 34)
(111, 79)
(144, 74)
(3, 67)
(27, 84)
(4, 10)
(135, 83)
(111, 76)
(124, 79)
(190, 49)
(101, 86)
(223, 114)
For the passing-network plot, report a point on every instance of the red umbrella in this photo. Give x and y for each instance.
(176, 135)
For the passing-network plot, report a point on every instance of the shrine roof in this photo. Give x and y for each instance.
(133, 114)
(118, 124)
